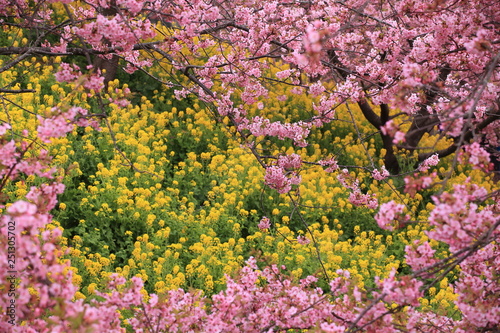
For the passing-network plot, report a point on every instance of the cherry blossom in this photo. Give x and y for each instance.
(428, 162)
(389, 213)
(475, 155)
(380, 175)
(264, 223)
(414, 68)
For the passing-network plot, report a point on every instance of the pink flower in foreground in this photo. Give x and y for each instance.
(9, 155)
(292, 161)
(303, 240)
(94, 82)
(390, 128)
(428, 162)
(389, 213)
(53, 127)
(377, 175)
(457, 218)
(22, 207)
(419, 256)
(475, 155)
(62, 123)
(399, 137)
(402, 291)
(359, 199)
(67, 73)
(264, 223)
(277, 178)
(4, 127)
(330, 164)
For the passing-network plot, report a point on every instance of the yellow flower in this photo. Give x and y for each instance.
(444, 283)
(159, 286)
(150, 219)
(79, 295)
(104, 261)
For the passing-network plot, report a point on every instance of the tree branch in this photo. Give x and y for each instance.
(17, 91)
(11, 50)
(459, 141)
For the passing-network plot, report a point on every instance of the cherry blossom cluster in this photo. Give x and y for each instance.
(359, 199)
(417, 183)
(93, 82)
(428, 162)
(419, 256)
(370, 310)
(458, 220)
(42, 279)
(116, 31)
(312, 47)
(389, 214)
(476, 156)
(380, 175)
(43, 282)
(330, 164)
(13, 162)
(281, 180)
(298, 132)
(301, 239)
(62, 122)
(68, 73)
(356, 197)
(290, 162)
(283, 173)
(478, 289)
(392, 130)
(265, 223)
(433, 61)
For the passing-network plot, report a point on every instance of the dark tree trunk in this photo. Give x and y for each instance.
(110, 66)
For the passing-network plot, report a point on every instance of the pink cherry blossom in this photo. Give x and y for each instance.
(291, 162)
(279, 179)
(4, 127)
(428, 162)
(331, 164)
(380, 175)
(264, 223)
(389, 213)
(429, 66)
(419, 256)
(303, 240)
(476, 156)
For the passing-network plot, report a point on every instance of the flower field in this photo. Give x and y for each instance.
(164, 193)
(155, 208)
